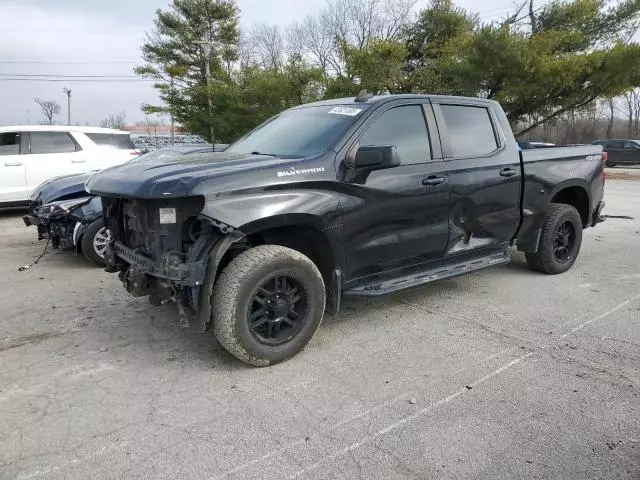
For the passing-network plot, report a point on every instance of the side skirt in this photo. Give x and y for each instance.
(427, 276)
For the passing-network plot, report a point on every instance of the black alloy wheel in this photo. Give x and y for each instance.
(267, 304)
(560, 240)
(564, 242)
(278, 310)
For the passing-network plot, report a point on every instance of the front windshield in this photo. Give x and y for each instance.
(301, 132)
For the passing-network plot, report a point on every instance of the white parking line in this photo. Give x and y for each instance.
(97, 453)
(600, 317)
(390, 402)
(410, 418)
(453, 396)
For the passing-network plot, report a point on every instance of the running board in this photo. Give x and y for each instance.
(389, 286)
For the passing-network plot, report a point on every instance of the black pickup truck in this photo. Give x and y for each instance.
(348, 197)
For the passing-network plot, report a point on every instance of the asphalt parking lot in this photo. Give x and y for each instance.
(505, 373)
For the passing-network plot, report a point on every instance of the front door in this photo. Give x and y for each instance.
(52, 154)
(484, 177)
(396, 217)
(631, 153)
(13, 183)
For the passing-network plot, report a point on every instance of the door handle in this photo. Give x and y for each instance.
(78, 161)
(508, 172)
(12, 164)
(432, 180)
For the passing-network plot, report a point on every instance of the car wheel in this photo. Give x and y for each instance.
(94, 242)
(267, 304)
(560, 240)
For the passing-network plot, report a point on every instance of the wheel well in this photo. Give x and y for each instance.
(576, 197)
(305, 239)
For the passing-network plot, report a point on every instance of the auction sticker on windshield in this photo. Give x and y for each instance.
(167, 215)
(350, 111)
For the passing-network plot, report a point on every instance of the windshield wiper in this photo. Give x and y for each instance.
(265, 154)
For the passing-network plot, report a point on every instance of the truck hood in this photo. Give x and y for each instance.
(60, 187)
(175, 176)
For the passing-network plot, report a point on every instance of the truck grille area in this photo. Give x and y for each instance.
(161, 248)
(153, 228)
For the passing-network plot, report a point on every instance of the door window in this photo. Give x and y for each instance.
(630, 145)
(404, 127)
(52, 142)
(471, 132)
(9, 143)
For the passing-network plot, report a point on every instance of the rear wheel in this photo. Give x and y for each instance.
(267, 304)
(560, 240)
(94, 242)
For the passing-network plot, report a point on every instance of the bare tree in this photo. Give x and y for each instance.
(354, 22)
(50, 108)
(268, 45)
(114, 120)
(632, 112)
(313, 41)
(628, 102)
(358, 21)
(636, 112)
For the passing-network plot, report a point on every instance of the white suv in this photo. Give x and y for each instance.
(30, 155)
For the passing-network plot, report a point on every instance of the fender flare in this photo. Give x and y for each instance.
(215, 256)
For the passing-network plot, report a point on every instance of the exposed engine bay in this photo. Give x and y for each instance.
(163, 249)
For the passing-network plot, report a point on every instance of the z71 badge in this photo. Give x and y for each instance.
(300, 171)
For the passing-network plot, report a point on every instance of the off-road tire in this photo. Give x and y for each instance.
(544, 260)
(86, 243)
(235, 289)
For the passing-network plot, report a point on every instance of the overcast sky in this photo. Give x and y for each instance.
(103, 37)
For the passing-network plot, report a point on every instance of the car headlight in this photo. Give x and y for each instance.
(62, 207)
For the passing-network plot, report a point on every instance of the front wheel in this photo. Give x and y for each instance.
(560, 240)
(94, 242)
(267, 304)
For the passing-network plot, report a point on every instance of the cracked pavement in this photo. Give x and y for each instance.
(515, 375)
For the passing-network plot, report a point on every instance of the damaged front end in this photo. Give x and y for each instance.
(167, 250)
(63, 222)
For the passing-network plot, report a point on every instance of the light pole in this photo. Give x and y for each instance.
(68, 92)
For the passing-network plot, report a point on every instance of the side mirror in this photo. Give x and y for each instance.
(376, 157)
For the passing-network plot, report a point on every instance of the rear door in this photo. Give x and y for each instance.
(615, 152)
(13, 182)
(396, 217)
(52, 154)
(484, 176)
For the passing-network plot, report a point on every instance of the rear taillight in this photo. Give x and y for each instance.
(134, 153)
(605, 157)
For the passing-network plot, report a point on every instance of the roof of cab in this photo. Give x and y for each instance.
(376, 99)
(60, 128)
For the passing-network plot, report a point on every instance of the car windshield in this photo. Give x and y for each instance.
(302, 132)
